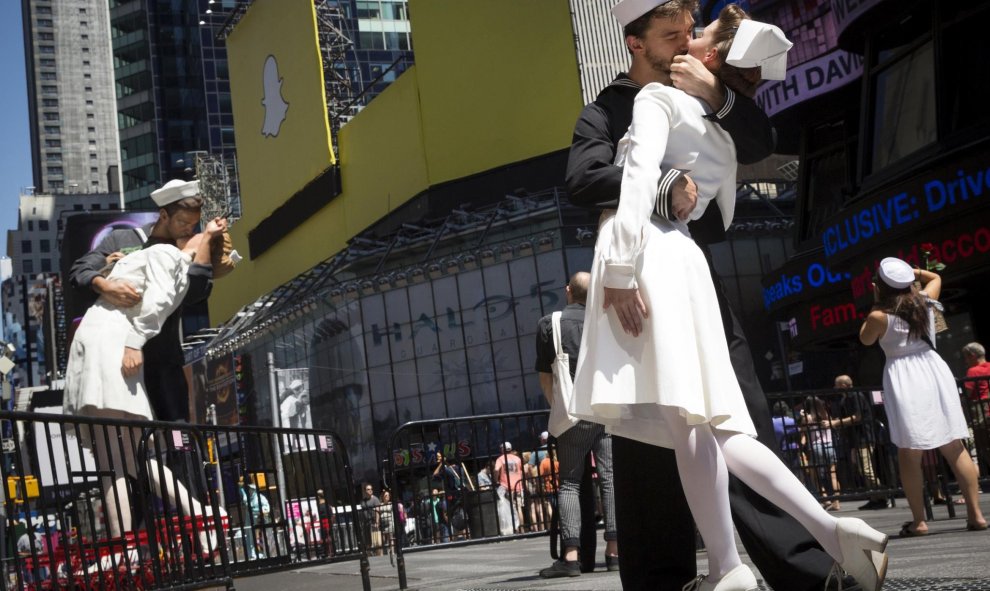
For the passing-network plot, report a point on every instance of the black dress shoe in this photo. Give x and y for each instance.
(611, 563)
(562, 568)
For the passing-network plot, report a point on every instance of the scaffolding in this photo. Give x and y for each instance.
(217, 175)
(340, 76)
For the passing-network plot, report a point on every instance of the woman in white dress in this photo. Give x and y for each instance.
(654, 362)
(919, 390)
(105, 375)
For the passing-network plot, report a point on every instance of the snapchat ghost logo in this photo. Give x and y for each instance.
(275, 105)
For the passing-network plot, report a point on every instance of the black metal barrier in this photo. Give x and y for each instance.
(444, 481)
(113, 504)
(838, 443)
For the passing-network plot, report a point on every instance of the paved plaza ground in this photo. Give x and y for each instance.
(948, 559)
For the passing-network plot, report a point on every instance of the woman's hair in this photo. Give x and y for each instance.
(815, 407)
(741, 80)
(905, 303)
(780, 409)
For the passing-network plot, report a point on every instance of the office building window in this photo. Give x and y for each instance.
(26, 247)
(89, 103)
(45, 246)
(49, 76)
(85, 36)
(47, 62)
(83, 23)
(30, 226)
(43, 9)
(89, 89)
(82, 11)
(49, 102)
(85, 62)
(43, 225)
(904, 111)
(46, 265)
(96, 206)
(27, 266)
(53, 129)
(57, 170)
(45, 22)
(53, 143)
(90, 116)
(46, 36)
(51, 116)
(87, 76)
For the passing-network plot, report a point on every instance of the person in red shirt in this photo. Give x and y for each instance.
(978, 393)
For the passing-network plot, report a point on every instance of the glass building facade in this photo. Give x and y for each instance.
(172, 88)
(445, 328)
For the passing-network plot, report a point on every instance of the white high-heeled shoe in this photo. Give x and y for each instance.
(740, 578)
(863, 556)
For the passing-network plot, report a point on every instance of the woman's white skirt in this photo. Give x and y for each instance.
(93, 378)
(680, 359)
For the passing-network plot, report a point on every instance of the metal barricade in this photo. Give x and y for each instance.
(444, 488)
(114, 504)
(837, 442)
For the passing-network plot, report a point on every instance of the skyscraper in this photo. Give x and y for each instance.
(74, 143)
(173, 97)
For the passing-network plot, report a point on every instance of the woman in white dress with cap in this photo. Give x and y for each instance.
(654, 362)
(919, 391)
(105, 374)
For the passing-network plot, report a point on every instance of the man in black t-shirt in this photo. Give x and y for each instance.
(854, 427)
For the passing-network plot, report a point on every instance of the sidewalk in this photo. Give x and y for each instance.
(950, 558)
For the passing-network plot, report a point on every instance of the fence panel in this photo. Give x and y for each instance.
(114, 504)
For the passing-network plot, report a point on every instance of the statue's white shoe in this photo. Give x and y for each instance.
(740, 578)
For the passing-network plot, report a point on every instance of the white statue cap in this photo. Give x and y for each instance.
(627, 11)
(760, 44)
(175, 190)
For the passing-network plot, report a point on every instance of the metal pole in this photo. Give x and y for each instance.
(211, 419)
(277, 422)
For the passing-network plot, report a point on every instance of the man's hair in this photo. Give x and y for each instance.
(579, 286)
(975, 349)
(741, 80)
(667, 10)
(186, 203)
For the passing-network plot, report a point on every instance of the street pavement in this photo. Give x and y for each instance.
(948, 559)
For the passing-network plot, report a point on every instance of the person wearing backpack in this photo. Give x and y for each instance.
(558, 342)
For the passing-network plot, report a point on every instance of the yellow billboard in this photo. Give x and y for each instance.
(279, 103)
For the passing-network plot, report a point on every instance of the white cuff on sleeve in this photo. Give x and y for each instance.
(134, 340)
(620, 276)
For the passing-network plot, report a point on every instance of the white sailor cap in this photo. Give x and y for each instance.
(173, 191)
(627, 11)
(760, 44)
(895, 273)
